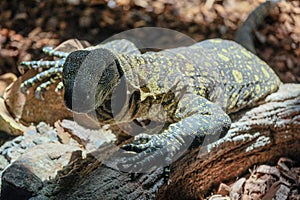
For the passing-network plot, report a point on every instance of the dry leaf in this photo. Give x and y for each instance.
(8, 124)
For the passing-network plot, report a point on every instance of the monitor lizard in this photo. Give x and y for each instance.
(195, 87)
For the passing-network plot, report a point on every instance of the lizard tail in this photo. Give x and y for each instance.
(244, 34)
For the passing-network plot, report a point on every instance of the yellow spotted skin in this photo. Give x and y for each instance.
(219, 70)
(189, 91)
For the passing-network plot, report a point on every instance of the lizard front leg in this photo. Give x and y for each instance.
(197, 117)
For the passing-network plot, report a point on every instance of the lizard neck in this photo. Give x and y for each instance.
(121, 103)
(128, 65)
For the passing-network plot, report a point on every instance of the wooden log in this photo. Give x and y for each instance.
(259, 135)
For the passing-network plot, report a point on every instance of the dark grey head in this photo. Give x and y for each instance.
(89, 77)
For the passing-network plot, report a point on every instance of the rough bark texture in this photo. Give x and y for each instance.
(262, 134)
(259, 135)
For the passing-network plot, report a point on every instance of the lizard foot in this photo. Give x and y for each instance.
(52, 73)
(153, 151)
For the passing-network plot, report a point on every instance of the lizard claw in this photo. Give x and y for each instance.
(140, 143)
(142, 138)
(157, 151)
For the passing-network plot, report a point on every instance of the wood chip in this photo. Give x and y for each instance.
(223, 189)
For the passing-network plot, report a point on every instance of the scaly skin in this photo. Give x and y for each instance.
(190, 89)
(187, 91)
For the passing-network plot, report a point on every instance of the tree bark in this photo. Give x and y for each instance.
(258, 135)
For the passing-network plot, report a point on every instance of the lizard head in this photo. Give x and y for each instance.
(89, 77)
